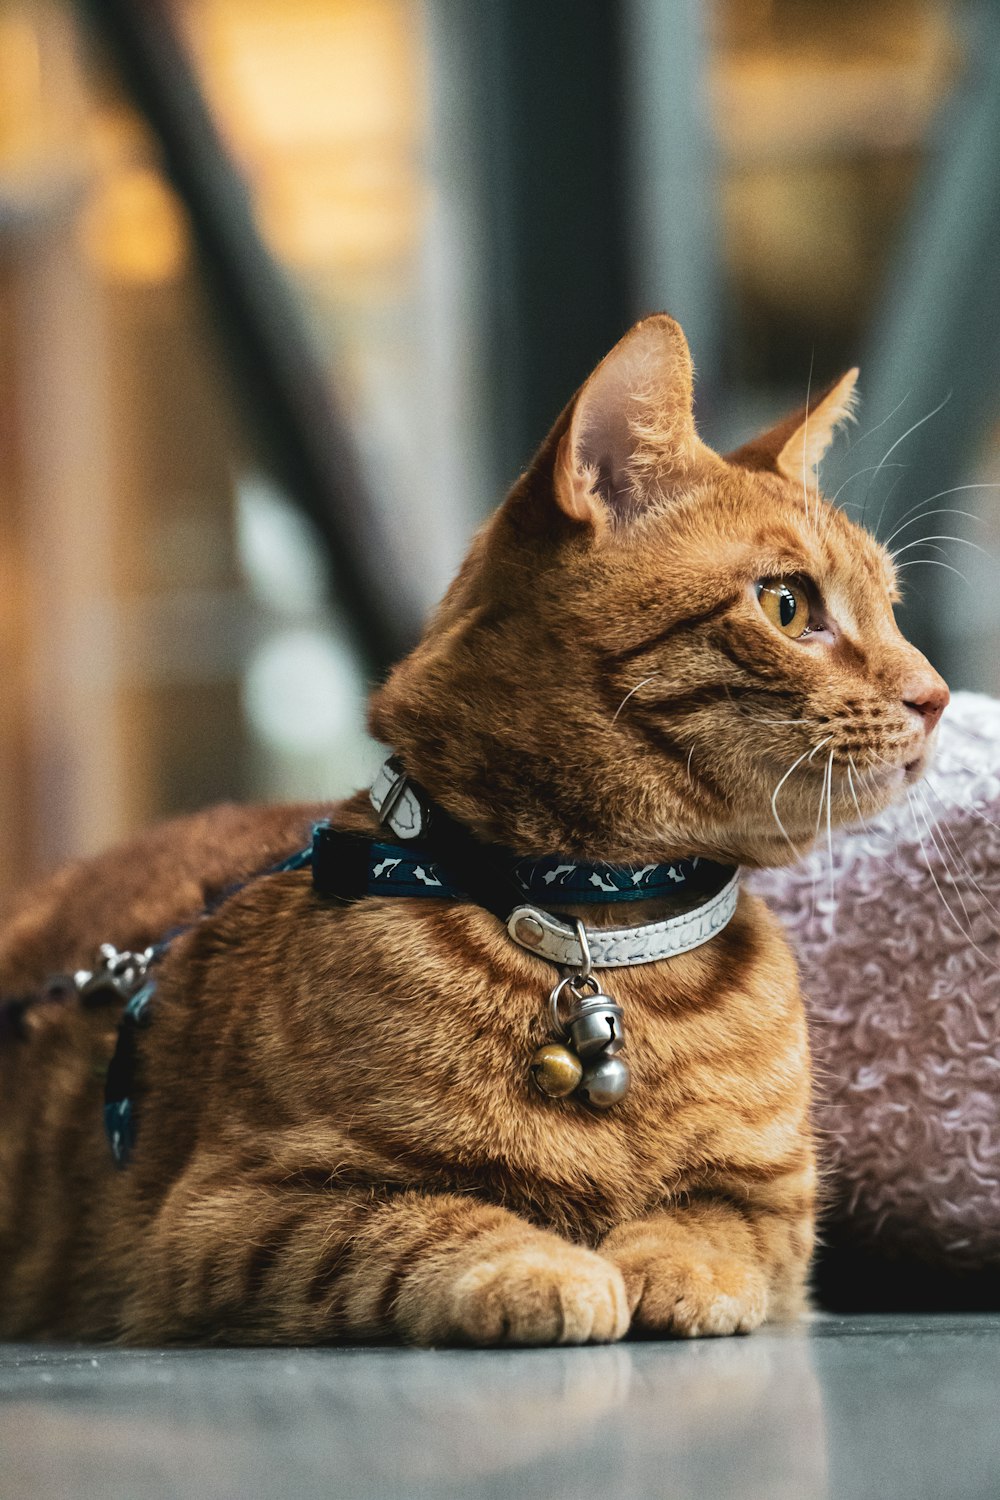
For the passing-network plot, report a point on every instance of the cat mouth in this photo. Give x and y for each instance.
(889, 781)
(903, 774)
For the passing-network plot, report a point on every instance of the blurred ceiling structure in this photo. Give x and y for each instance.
(290, 291)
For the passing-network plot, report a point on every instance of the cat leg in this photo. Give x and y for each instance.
(242, 1263)
(718, 1265)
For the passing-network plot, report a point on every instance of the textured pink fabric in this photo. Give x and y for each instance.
(904, 1003)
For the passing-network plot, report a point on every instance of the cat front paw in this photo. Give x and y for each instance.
(691, 1295)
(535, 1295)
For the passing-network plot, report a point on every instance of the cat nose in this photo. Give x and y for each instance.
(927, 694)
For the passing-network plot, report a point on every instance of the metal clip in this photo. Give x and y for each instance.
(392, 788)
(119, 974)
(385, 801)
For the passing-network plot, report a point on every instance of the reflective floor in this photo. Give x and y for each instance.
(879, 1407)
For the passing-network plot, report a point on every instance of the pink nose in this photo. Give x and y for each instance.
(928, 696)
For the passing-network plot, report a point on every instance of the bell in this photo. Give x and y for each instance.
(605, 1082)
(556, 1070)
(597, 1027)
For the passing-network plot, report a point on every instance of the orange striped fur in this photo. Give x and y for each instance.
(338, 1136)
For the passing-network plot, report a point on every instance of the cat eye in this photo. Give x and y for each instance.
(786, 604)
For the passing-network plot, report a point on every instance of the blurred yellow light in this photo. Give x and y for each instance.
(133, 228)
(352, 216)
(297, 74)
(321, 101)
(21, 104)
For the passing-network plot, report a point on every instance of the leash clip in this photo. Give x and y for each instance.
(116, 975)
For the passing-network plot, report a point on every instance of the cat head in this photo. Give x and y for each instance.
(653, 651)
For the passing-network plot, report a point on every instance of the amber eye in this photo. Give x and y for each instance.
(784, 602)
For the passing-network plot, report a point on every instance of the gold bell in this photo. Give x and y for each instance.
(556, 1070)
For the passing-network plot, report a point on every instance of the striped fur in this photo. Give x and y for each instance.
(338, 1137)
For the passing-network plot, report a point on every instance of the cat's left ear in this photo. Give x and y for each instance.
(631, 432)
(795, 446)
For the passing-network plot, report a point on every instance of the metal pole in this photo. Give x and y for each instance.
(938, 339)
(293, 413)
(549, 82)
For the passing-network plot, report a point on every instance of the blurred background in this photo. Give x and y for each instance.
(291, 289)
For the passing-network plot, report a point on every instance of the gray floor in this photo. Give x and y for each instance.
(884, 1407)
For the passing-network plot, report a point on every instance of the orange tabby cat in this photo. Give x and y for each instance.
(651, 652)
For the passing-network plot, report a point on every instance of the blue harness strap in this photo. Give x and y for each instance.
(120, 1079)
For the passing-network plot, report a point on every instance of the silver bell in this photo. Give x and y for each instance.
(597, 1028)
(605, 1082)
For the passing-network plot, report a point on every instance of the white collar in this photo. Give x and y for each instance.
(620, 947)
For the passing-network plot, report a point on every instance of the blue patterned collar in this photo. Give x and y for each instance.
(394, 870)
(433, 855)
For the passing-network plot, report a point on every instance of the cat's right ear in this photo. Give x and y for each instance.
(631, 433)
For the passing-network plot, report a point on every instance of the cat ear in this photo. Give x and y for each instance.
(796, 445)
(631, 428)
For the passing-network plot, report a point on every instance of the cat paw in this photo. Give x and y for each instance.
(531, 1295)
(692, 1296)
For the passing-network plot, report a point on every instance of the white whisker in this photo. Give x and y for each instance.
(890, 451)
(924, 541)
(850, 782)
(890, 845)
(937, 884)
(949, 870)
(868, 469)
(822, 799)
(872, 430)
(805, 435)
(928, 786)
(829, 841)
(946, 510)
(806, 755)
(894, 486)
(953, 847)
(628, 695)
(934, 562)
(956, 489)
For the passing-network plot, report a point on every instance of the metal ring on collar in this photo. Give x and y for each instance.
(583, 972)
(572, 982)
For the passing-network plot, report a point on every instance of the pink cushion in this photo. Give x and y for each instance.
(904, 1002)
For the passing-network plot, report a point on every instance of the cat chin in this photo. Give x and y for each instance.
(915, 770)
(885, 786)
(895, 781)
